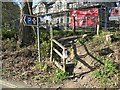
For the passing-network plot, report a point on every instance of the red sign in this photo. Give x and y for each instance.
(115, 11)
(84, 17)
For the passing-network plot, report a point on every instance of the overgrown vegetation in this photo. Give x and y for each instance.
(9, 33)
(60, 75)
(50, 74)
(107, 74)
(9, 39)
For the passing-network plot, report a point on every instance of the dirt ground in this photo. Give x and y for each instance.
(19, 66)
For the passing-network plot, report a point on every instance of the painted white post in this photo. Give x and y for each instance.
(38, 37)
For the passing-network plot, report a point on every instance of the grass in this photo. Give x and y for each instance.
(106, 73)
(41, 66)
(56, 75)
(60, 75)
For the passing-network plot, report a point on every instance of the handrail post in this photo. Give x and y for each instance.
(64, 58)
(38, 37)
(51, 35)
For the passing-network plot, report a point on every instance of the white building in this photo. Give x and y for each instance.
(59, 10)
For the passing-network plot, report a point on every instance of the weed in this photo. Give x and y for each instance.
(60, 75)
(9, 44)
(41, 66)
(83, 41)
(62, 33)
(56, 76)
(41, 78)
(106, 73)
(45, 49)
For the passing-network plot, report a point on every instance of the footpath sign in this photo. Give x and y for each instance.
(30, 20)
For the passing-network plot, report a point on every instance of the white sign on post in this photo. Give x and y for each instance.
(46, 17)
(115, 14)
(30, 20)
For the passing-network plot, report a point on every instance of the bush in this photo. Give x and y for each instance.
(45, 49)
(44, 36)
(9, 33)
(9, 44)
(42, 66)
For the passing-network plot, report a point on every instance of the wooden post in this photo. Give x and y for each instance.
(118, 23)
(106, 18)
(98, 25)
(72, 51)
(64, 60)
(51, 35)
(74, 27)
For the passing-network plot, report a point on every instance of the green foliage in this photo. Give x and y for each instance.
(44, 36)
(45, 49)
(42, 78)
(10, 14)
(82, 41)
(56, 75)
(9, 33)
(62, 33)
(42, 66)
(110, 67)
(60, 75)
(98, 39)
(9, 44)
(44, 43)
(106, 73)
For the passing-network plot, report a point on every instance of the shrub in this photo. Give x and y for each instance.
(41, 66)
(9, 44)
(45, 49)
(9, 33)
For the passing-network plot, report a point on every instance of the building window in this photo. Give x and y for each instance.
(61, 20)
(60, 5)
(70, 5)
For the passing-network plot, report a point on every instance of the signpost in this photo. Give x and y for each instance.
(30, 20)
(38, 36)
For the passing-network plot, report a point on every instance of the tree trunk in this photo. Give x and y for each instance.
(26, 34)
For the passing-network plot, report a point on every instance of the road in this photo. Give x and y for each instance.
(12, 84)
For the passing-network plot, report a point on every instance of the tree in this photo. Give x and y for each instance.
(10, 14)
(26, 34)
